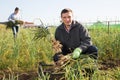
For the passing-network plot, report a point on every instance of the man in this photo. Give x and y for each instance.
(13, 17)
(74, 38)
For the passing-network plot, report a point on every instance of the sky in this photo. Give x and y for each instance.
(49, 10)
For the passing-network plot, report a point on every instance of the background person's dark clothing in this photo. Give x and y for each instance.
(15, 30)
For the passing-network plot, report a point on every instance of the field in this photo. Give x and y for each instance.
(19, 59)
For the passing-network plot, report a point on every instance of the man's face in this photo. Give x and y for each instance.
(67, 18)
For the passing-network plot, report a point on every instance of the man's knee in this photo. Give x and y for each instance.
(93, 51)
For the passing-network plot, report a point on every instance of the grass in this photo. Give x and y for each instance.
(25, 54)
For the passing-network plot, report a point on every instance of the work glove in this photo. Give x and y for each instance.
(76, 53)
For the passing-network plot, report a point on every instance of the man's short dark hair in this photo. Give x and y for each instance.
(16, 8)
(65, 11)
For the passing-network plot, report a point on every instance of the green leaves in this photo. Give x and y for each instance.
(40, 33)
(10, 24)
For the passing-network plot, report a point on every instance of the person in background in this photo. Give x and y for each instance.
(74, 37)
(13, 17)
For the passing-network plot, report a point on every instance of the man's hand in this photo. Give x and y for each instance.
(63, 59)
(76, 53)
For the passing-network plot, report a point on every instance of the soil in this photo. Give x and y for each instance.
(109, 64)
(32, 75)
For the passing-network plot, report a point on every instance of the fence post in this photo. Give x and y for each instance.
(108, 27)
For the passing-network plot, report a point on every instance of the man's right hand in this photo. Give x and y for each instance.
(76, 53)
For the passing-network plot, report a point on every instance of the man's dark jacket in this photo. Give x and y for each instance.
(78, 36)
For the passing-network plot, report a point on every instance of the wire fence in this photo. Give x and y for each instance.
(108, 25)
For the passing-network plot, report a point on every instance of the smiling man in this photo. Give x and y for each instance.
(74, 37)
